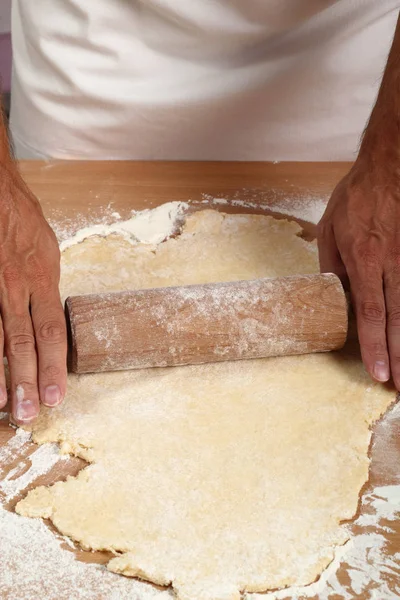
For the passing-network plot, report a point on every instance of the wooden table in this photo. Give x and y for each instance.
(75, 193)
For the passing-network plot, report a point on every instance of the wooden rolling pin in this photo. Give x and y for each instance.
(206, 323)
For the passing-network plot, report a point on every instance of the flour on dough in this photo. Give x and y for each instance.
(216, 478)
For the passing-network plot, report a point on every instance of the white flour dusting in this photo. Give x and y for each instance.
(148, 226)
(306, 208)
(34, 563)
(42, 460)
(364, 554)
(14, 445)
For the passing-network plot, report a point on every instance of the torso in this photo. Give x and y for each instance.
(228, 79)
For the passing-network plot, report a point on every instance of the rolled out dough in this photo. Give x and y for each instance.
(215, 478)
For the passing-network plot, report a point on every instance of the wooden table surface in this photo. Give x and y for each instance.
(74, 194)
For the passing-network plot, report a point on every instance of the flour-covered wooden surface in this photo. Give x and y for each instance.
(36, 561)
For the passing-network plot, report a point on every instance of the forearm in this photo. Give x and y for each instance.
(381, 139)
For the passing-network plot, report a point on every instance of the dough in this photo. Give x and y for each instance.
(215, 478)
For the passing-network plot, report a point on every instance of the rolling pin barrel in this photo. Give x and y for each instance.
(206, 323)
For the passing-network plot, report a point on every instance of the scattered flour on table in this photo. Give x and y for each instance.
(369, 567)
(147, 226)
(308, 208)
(34, 563)
(42, 460)
(15, 444)
(370, 571)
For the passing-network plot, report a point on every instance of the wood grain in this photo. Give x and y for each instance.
(197, 324)
(73, 194)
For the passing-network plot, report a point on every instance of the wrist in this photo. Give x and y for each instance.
(380, 143)
(9, 176)
(9, 170)
(13, 188)
(379, 154)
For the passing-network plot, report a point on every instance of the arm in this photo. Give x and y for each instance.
(359, 234)
(32, 324)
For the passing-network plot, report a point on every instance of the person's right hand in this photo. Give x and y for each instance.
(359, 240)
(32, 327)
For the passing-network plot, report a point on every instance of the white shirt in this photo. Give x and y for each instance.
(196, 79)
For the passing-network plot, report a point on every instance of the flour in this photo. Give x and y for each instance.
(148, 226)
(369, 567)
(308, 208)
(34, 563)
(42, 460)
(14, 445)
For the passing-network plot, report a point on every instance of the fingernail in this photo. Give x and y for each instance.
(52, 395)
(381, 371)
(26, 411)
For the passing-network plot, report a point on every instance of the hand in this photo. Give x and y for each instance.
(359, 240)
(32, 327)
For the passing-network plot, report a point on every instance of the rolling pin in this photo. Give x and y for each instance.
(213, 322)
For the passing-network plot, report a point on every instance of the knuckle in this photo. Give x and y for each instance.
(376, 348)
(392, 266)
(367, 255)
(392, 274)
(43, 280)
(21, 344)
(51, 372)
(26, 388)
(41, 274)
(369, 258)
(394, 255)
(372, 313)
(11, 276)
(52, 331)
(26, 384)
(20, 310)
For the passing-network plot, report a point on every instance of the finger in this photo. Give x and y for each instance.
(369, 304)
(392, 300)
(3, 386)
(51, 342)
(330, 260)
(21, 354)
